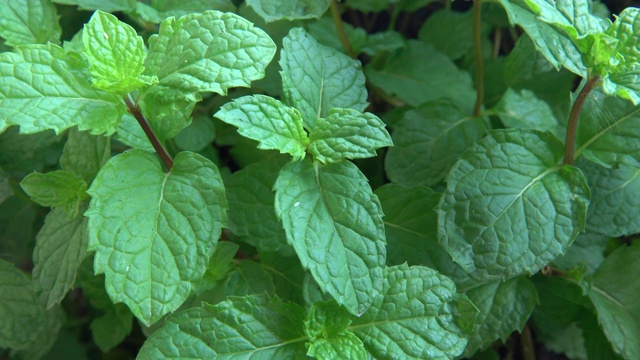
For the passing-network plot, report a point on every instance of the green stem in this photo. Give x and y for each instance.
(526, 342)
(477, 49)
(335, 13)
(144, 124)
(574, 116)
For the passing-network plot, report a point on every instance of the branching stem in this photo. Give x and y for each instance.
(335, 13)
(160, 150)
(477, 49)
(574, 116)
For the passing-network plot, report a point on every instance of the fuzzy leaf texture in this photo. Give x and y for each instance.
(347, 134)
(509, 207)
(274, 10)
(115, 52)
(211, 51)
(326, 326)
(29, 22)
(316, 78)
(42, 87)
(334, 222)
(268, 121)
(61, 245)
(270, 329)
(615, 296)
(416, 316)
(58, 188)
(428, 140)
(153, 233)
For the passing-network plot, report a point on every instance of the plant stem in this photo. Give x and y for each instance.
(477, 49)
(574, 116)
(335, 13)
(526, 342)
(160, 150)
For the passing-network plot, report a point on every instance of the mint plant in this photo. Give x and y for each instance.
(218, 179)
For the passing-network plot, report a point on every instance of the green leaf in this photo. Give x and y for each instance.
(369, 5)
(509, 207)
(316, 78)
(524, 110)
(274, 10)
(414, 317)
(167, 110)
(428, 140)
(251, 201)
(149, 242)
(385, 41)
(61, 246)
(554, 46)
(111, 328)
(435, 76)
(58, 188)
(162, 9)
(131, 134)
(198, 135)
(411, 228)
(449, 32)
(268, 121)
(624, 84)
(615, 207)
(59, 97)
(211, 51)
(249, 278)
(586, 252)
(326, 326)
(334, 222)
(115, 53)
(347, 134)
(574, 17)
(84, 154)
(626, 29)
(29, 22)
(608, 131)
(595, 341)
(325, 32)
(104, 5)
(21, 314)
(269, 329)
(615, 296)
(504, 308)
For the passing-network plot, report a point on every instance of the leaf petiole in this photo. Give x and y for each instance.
(574, 116)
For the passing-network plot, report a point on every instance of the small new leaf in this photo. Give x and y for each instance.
(116, 54)
(509, 208)
(42, 87)
(316, 78)
(269, 329)
(211, 51)
(334, 222)
(153, 233)
(326, 327)
(415, 316)
(57, 188)
(347, 134)
(270, 122)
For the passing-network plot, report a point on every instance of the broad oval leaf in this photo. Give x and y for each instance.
(274, 10)
(58, 188)
(211, 51)
(42, 87)
(61, 245)
(509, 207)
(615, 206)
(428, 140)
(29, 22)
(415, 316)
(348, 134)
(317, 78)
(334, 223)
(609, 131)
(615, 296)
(250, 327)
(153, 233)
(504, 308)
(115, 52)
(268, 121)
